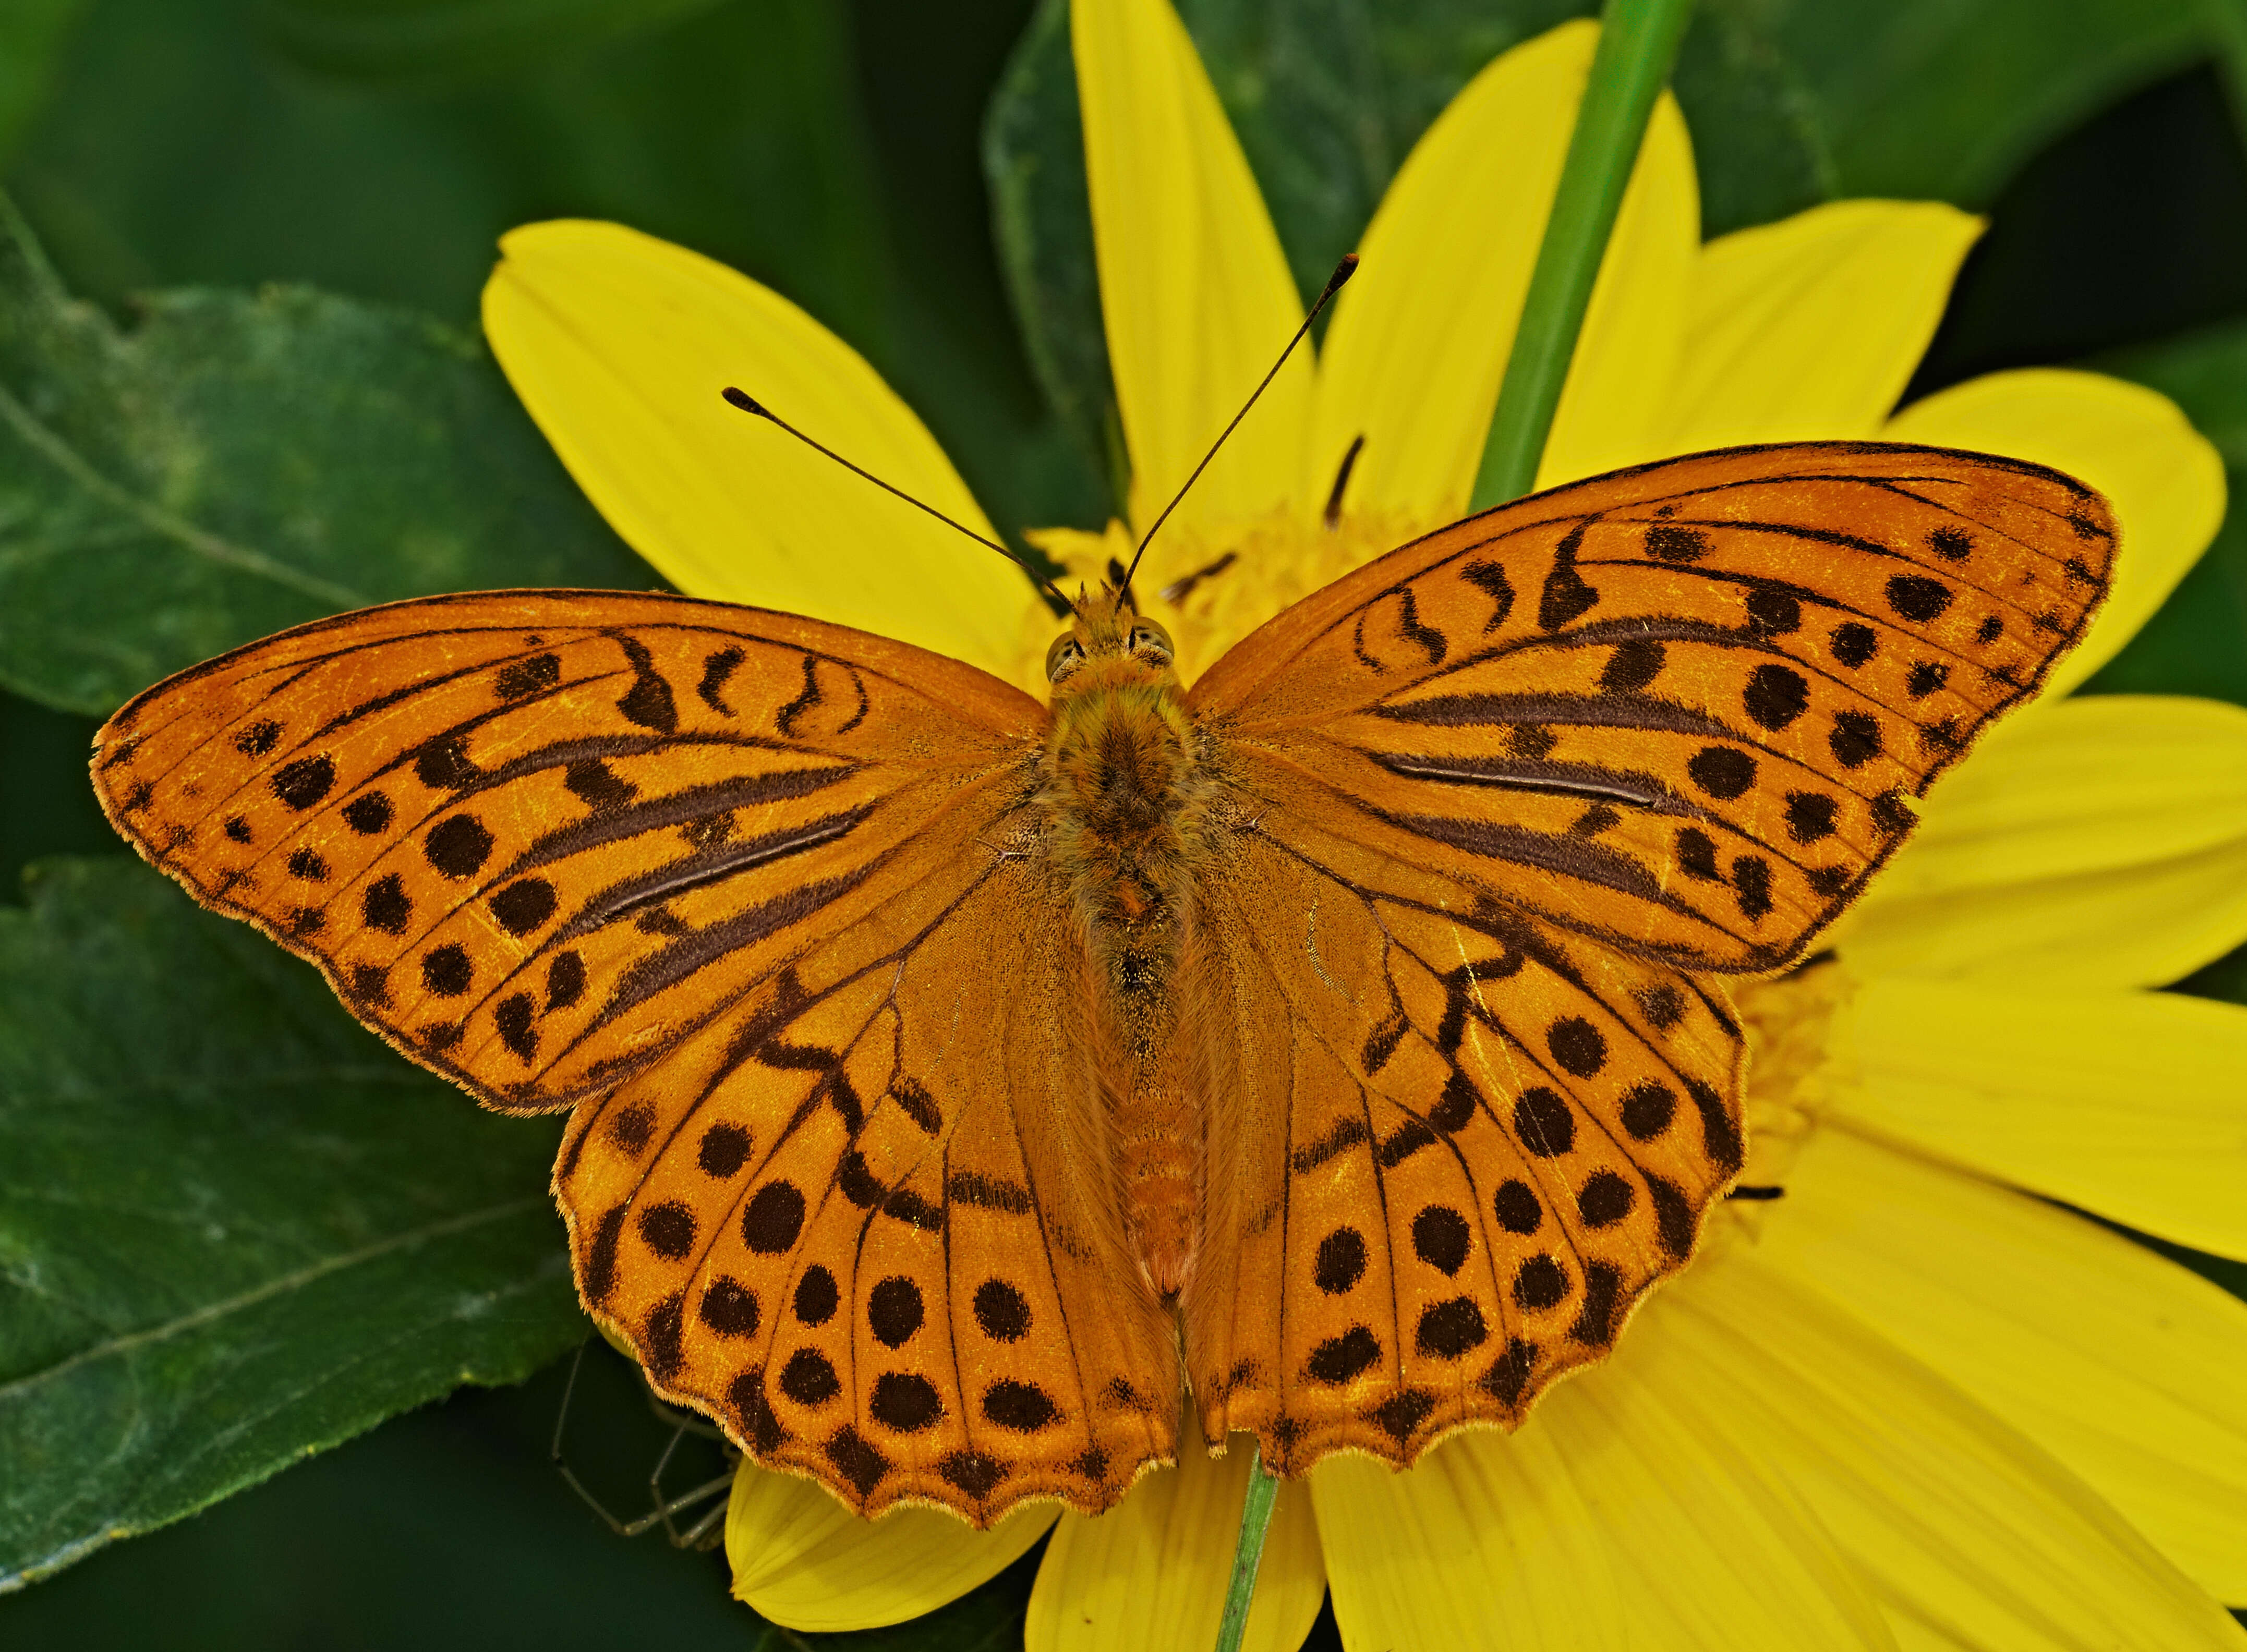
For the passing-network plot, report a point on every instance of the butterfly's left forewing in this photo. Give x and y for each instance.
(750, 892)
(532, 837)
(1499, 799)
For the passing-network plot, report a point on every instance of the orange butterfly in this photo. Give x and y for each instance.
(958, 1082)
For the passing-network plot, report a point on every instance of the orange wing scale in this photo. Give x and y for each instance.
(1502, 786)
(1692, 699)
(771, 904)
(727, 881)
(1457, 1148)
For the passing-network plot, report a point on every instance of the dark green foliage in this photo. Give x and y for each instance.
(448, 40)
(2197, 642)
(238, 463)
(236, 1228)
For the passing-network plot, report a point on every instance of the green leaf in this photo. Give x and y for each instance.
(234, 1227)
(425, 40)
(238, 464)
(31, 36)
(1757, 143)
(445, 1528)
(46, 808)
(2196, 643)
(1945, 99)
(2225, 979)
(2205, 373)
(1041, 219)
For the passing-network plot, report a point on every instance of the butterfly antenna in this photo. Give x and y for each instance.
(750, 404)
(1343, 272)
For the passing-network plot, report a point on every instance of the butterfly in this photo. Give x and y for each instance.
(973, 1099)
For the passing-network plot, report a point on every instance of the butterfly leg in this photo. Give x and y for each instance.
(662, 1512)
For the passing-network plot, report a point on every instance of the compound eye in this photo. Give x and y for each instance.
(1148, 637)
(1064, 657)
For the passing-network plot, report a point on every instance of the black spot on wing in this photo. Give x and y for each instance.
(1916, 598)
(1565, 597)
(784, 720)
(1636, 663)
(648, 701)
(305, 782)
(1671, 543)
(525, 678)
(1490, 580)
(716, 670)
(1408, 621)
(442, 763)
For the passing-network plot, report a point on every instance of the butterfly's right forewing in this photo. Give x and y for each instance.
(1500, 799)
(1684, 708)
(534, 838)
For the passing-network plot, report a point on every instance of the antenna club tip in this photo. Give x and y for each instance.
(744, 401)
(1343, 272)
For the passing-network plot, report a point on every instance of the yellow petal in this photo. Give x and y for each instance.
(1194, 289)
(1543, 1539)
(1971, 1535)
(802, 1560)
(2129, 1104)
(1809, 329)
(1420, 337)
(1149, 1575)
(1484, 1544)
(2102, 843)
(1611, 408)
(2124, 1366)
(2133, 445)
(618, 344)
(1744, 1564)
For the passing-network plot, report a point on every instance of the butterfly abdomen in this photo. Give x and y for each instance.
(1127, 795)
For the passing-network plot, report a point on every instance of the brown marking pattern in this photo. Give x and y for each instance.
(773, 904)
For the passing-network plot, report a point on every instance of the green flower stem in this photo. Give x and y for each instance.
(1638, 42)
(1247, 1554)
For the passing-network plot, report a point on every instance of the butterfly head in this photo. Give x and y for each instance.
(1109, 645)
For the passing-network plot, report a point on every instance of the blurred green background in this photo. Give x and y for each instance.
(376, 148)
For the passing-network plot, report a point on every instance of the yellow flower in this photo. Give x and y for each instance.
(1910, 1404)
